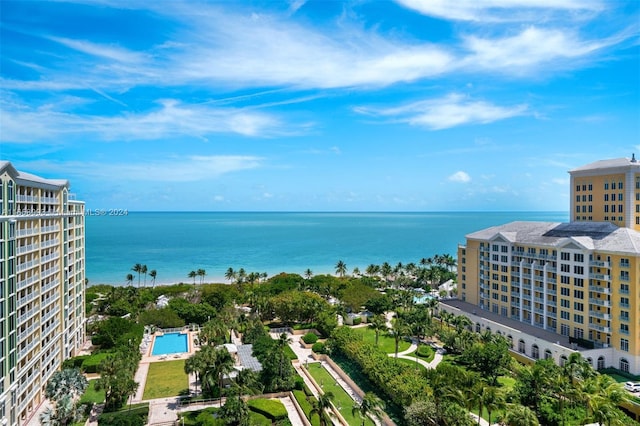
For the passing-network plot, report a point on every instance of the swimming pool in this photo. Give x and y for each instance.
(170, 343)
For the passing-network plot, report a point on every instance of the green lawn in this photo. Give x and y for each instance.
(166, 378)
(91, 395)
(412, 363)
(385, 342)
(341, 399)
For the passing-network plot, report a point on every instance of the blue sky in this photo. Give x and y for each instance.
(319, 105)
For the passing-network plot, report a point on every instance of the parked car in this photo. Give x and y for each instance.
(632, 386)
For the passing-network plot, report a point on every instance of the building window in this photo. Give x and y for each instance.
(579, 319)
(564, 329)
(535, 352)
(600, 365)
(624, 365)
(521, 346)
(578, 188)
(564, 314)
(565, 256)
(624, 345)
(620, 196)
(547, 354)
(578, 257)
(563, 360)
(606, 186)
(619, 185)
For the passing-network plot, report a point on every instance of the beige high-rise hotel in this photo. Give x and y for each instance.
(557, 288)
(42, 280)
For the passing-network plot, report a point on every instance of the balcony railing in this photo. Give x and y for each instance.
(599, 289)
(600, 302)
(599, 263)
(600, 328)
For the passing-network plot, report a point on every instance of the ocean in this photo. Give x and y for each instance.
(175, 243)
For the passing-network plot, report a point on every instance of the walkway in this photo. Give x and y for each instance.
(433, 364)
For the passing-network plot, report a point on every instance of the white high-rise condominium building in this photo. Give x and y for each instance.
(42, 280)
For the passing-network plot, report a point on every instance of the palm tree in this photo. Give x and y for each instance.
(129, 279)
(308, 274)
(193, 275)
(356, 271)
(491, 399)
(137, 268)
(371, 406)
(201, 273)
(519, 415)
(320, 407)
(153, 274)
(223, 365)
(460, 322)
(399, 329)
(378, 323)
(230, 274)
(341, 268)
(143, 270)
(372, 270)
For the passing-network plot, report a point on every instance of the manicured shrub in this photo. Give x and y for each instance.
(304, 403)
(299, 383)
(357, 321)
(257, 419)
(310, 338)
(318, 348)
(425, 351)
(134, 417)
(270, 408)
(75, 362)
(91, 363)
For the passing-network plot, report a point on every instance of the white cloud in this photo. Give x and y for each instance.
(179, 169)
(114, 53)
(498, 10)
(449, 111)
(460, 176)
(172, 118)
(527, 50)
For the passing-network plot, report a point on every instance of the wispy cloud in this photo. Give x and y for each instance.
(460, 176)
(528, 50)
(171, 118)
(450, 111)
(499, 10)
(177, 169)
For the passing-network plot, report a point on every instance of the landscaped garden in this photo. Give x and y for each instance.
(385, 342)
(341, 399)
(166, 378)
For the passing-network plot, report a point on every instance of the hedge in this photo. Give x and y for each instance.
(75, 362)
(257, 419)
(127, 417)
(398, 381)
(318, 348)
(91, 363)
(270, 408)
(304, 403)
(310, 338)
(357, 321)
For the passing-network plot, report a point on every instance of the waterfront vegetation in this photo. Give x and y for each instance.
(476, 375)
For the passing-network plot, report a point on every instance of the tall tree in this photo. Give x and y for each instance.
(378, 324)
(399, 330)
(201, 273)
(322, 407)
(193, 275)
(341, 268)
(370, 406)
(230, 275)
(138, 269)
(153, 274)
(308, 274)
(129, 279)
(143, 270)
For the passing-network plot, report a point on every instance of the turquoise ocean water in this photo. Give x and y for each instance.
(176, 243)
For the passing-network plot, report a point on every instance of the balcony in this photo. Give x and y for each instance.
(624, 305)
(25, 265)
(623, 318)
(22, 352)
(26, 232)
(27, 282)
(27, 248)
(600, 302)
(597, 314)
(599, 289)
(623, 331)
(28, 298)
(20, 198)
(602, 277)
(624, 278)
(52, 228)
(600, 328)
(26, 332)
(599, 264)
